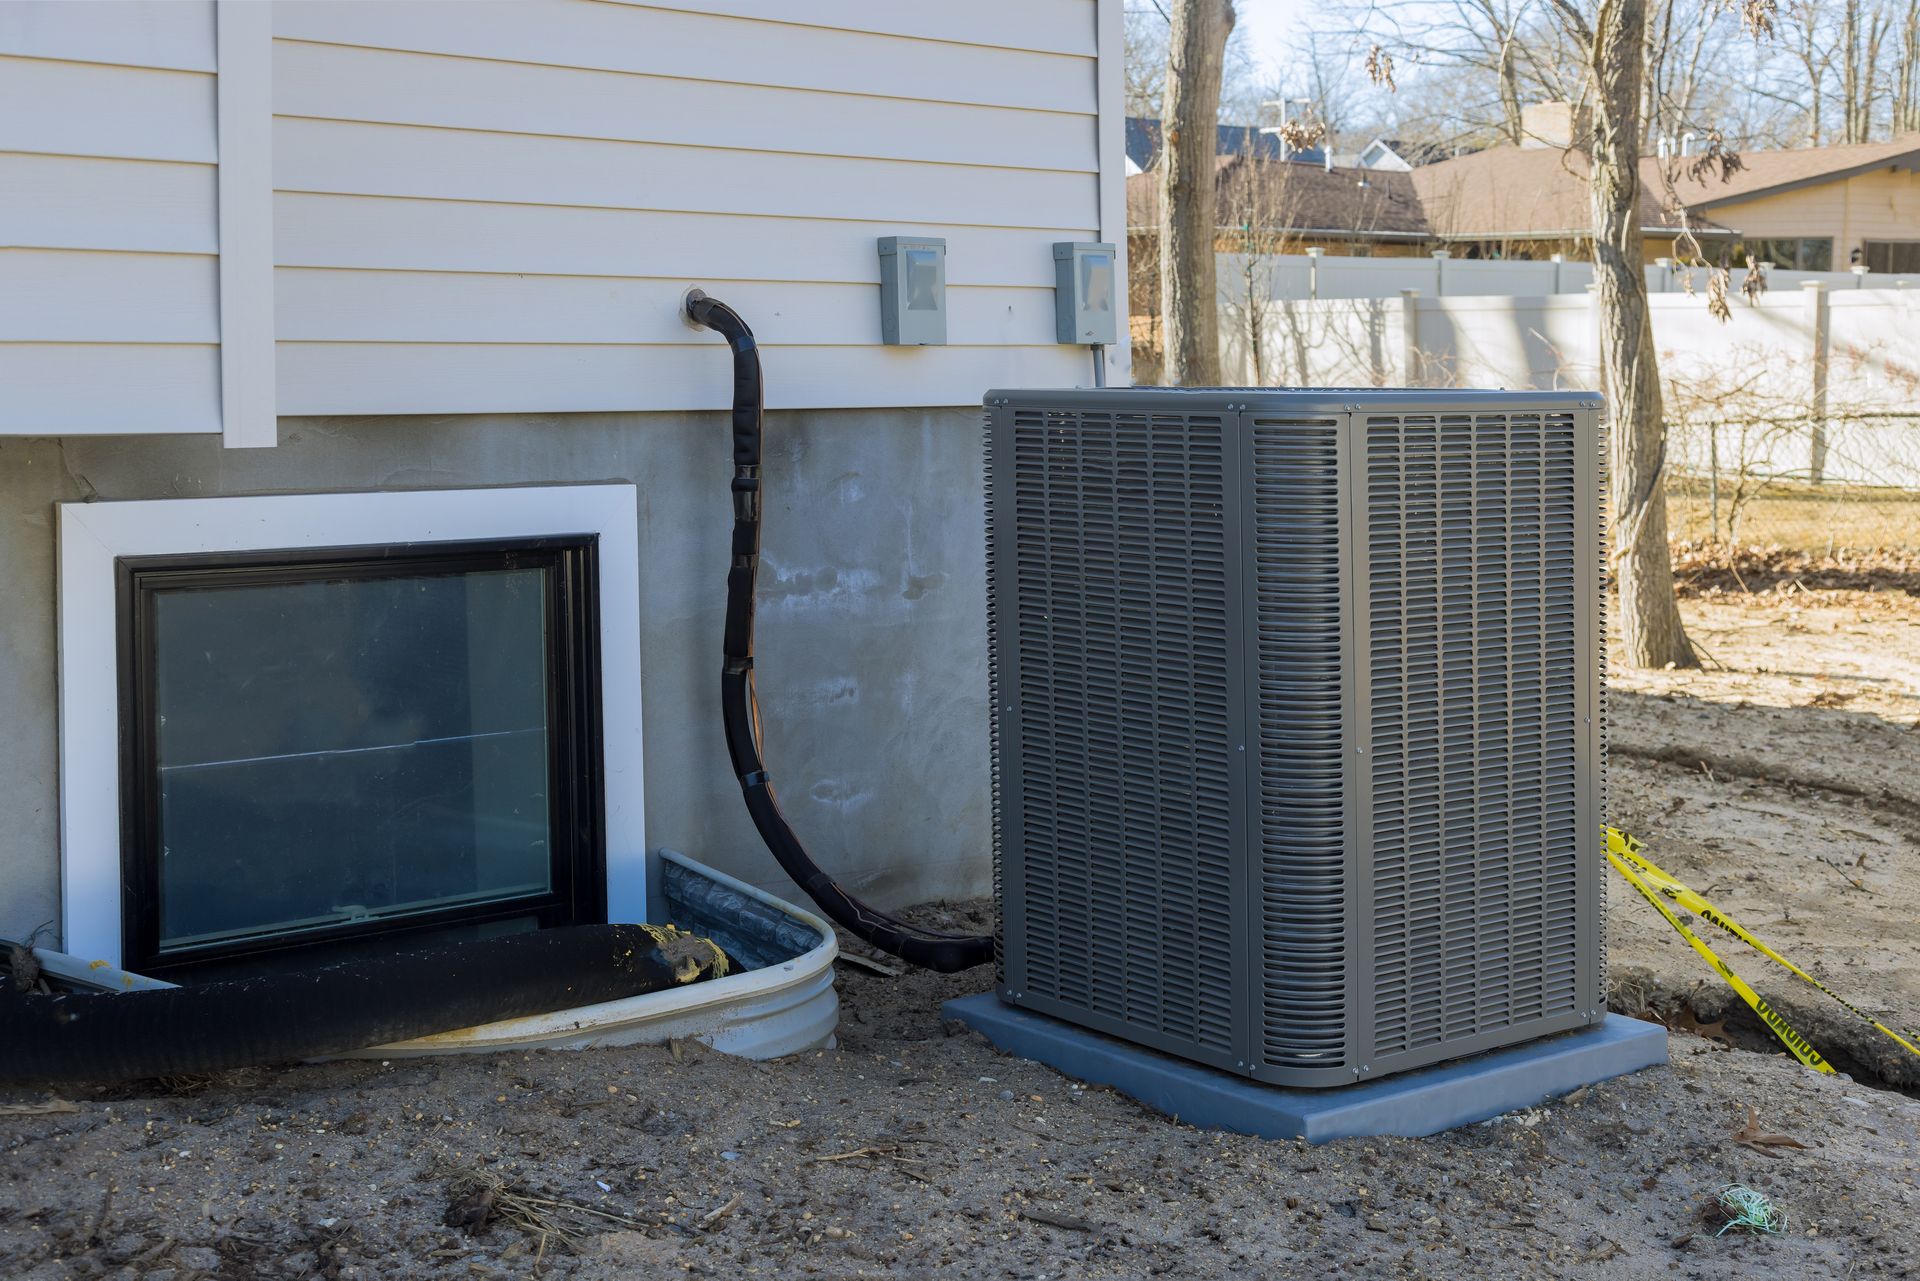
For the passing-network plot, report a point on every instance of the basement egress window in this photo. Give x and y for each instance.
(335, 745)
(330, 749)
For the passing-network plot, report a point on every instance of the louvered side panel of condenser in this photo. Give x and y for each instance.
(1303, 887)
(1476, 712)
(1117, 763)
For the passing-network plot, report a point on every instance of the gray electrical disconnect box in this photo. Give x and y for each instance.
(913, 291)
(1084, 301)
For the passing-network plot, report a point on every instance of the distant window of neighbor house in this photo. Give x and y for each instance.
(300, 728)
(1805, 253)
(1901, 256)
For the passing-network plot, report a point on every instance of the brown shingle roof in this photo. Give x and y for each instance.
(1763, 171)
(1285, 196)
(1528, 192)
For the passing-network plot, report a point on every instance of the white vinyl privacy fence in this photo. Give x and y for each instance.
(1807, 383)
(1276, 277)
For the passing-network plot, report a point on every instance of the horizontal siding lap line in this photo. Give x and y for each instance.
(28, 246)
(208, 255)
(1090, 170)
(706, 278)
(609, 38)
(827, 91)
(694, 340)
(9, 55)
(145, 344)
(785, 21)
(112, 160)
(361, 378)
(113, 64)
(316, 155)
(1066, 232)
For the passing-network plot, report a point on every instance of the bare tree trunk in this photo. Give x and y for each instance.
(1509, 72)
(1906, 92)
(1650, 622)
(1190, 327)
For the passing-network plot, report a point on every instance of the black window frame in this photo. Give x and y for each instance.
(576, 773)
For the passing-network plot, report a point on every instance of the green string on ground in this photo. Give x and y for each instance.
(1748, 1209)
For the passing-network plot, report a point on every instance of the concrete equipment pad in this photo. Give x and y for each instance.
(1424, 1101)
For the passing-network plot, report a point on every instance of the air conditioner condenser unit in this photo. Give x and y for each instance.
(1297, 720)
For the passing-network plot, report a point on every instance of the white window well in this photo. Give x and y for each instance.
(296, 727)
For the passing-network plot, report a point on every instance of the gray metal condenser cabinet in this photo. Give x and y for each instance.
(1297, 724)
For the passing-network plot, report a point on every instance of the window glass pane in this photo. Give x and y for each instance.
(335, 751)
(1816, 255)
(1893, 256)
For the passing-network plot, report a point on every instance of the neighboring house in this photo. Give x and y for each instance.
(1143, 144)
(364, 497)
(1811, 209)
(1276, 206)
(1821, 208)
(1530, 202)
(1391, 154)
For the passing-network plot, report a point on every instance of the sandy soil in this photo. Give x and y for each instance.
(1783, 784)
(908, 1151)
(913, 1149)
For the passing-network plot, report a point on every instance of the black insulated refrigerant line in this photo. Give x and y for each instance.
(936, 951)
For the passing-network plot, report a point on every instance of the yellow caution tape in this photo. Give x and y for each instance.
(1623, 851)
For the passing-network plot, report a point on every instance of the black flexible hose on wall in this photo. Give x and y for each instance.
(334, 1009)
(936, 951)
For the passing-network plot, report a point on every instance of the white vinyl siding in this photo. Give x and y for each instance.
(503, 213)
(496, 206)
(109, 279)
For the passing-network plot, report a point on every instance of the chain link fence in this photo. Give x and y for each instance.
(1851, 487)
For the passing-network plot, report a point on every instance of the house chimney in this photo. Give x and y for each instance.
(1555, 124)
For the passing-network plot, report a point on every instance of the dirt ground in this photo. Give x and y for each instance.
(1783, 786)
(1783, 783)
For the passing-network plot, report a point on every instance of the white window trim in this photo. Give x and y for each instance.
(94, 535)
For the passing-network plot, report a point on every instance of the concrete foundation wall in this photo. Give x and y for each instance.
(872, 664)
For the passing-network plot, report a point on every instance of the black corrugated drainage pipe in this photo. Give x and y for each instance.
(944, 952)
(333, 1009)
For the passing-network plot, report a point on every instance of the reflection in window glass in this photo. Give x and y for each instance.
(1814, 253)
(337, 751)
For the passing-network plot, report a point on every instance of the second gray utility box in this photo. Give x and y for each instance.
(1085, 293)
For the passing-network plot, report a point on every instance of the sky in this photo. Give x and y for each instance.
(1270, 27)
